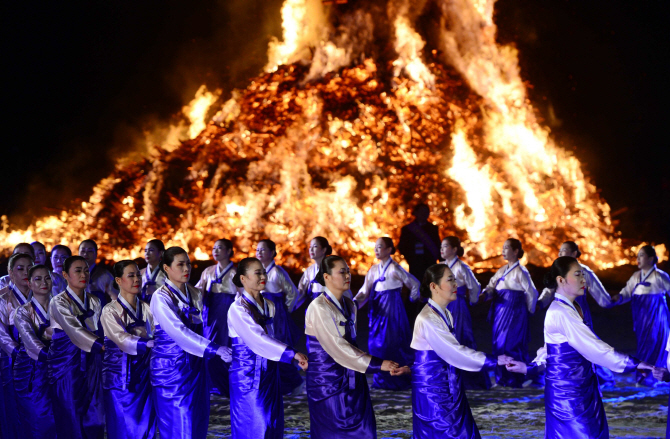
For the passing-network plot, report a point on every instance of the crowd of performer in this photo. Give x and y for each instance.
(140, 351)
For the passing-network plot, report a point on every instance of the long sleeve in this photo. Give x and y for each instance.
(468, 278)
(563, 324)
(627, 292)
(323, 323)
(494, 280)
(6, 343)
(546, 297)
(293, 297)
(34, 346)
(407, 280)
(253, 335)
(596, 288)
(115, 330)
(165, 315)
(303, 285)
(364, 293)
(529, 290)
(61, 313)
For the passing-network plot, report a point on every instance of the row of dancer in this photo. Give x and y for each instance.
(383, 250)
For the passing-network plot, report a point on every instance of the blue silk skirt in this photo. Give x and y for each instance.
(573, 406)
(465, 336)
(75, 377)
(256, 402)
(605, 376)
(440, 407)
(287, 332)
(217, 305)
(31, 382)
(509, 318)
(11, 425)
(339, 398)
(390, 337)
(180, 388)
(650, 323)
(129, 408)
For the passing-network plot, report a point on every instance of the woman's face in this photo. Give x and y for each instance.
(152, 255)
(447, 251)
(508, 253)
(180, 269)
(255, 277)
(40, 282)
(381, 250)
(131, 280)
(88, 252)
(316, 252)
(77, 276)
(58, 257)
(445, 289)
(263, 253)
(220, 252)
(644, 262)
(339, 279)
(40, 254)
(565, 250)
(574, 283)
(19, 273)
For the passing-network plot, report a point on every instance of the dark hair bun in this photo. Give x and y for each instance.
(319, 278)
(434, 275)
(237, 281)
(561, 267)
(550, 280)
(329, 250)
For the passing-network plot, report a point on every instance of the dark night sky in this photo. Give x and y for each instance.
(82, 79)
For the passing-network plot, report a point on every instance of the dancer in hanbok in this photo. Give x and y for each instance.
(15, 294)
(100, 280)
(31, 371)
(308, 286)
(596, 289)
(390, 334)
(40, 252)
(440, 406)
(337, 390)
(220, 292)
(573, 405)
(178, 369)
(23, 247)
(128, 323)
(75, 356)
(256, 403)
(59, 253)
(514, 299)
(467, 294)
(152, 276)
(647, 289)
(280, 290)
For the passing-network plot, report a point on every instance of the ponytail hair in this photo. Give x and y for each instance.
(388, 242)
(560, 267)
(455, 243)
(327, 267)
(323, 242)
(650, 251)
(574, 248)
(119, 268)
(434, 274)
(516, 245)
(242, 270)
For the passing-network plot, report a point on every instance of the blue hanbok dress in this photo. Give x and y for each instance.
(651, 319)
(439, 404)
(220, 293)
(151, 281)
(75, 365)
(467, 293)
(10, 299)
(390, 334)
(178, 362)
(100, 284)
(281, 291)
(309, 289)
(337, 390)
(256, 402)
(515, 299)
(573, 405)
(31, 372)
(129, 407)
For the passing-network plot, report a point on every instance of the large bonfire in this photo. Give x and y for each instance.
(363, 110)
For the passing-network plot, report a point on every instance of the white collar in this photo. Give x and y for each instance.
(218, 273)
(443, 312)
(37, 305)
(332, 296)
(180, 295)
(17, 291)
(452, 262)
(77, 299)
(130, 308)
(251, 298)
(648, 273)
(566, 300)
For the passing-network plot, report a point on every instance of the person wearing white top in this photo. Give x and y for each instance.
(390, 334)
(308, 286)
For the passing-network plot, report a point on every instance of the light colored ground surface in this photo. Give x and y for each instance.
(632, 412)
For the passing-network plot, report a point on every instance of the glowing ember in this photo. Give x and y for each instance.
(337, 138)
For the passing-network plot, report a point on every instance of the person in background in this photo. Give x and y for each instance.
(101, 281)
(59, 253)
(40, 252)
(152, 276)
(420, 242)
(23, 247)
